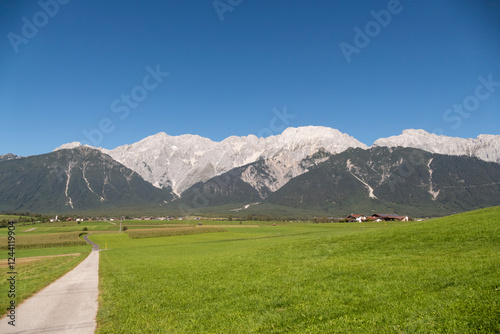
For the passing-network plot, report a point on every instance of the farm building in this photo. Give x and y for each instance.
(390, 217)
(376, 217)
(356, 218)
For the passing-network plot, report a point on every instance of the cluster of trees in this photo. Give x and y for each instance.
(251, 217)
(318, 220)
(260, 217)
(267, 218)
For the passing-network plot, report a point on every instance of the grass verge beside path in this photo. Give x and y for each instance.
(40, 260)
(47, 251)
(35, 274)
(439, 276)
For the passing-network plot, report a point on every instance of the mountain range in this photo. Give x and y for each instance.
(312, 170)
(77, 179)
(8, 156)
(181, 161)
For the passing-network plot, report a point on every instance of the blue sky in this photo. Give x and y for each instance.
(86, 69)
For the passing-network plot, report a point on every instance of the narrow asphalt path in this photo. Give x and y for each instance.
(95, 247)
(68, 305)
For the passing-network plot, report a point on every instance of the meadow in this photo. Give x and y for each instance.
(61, 227)
(440, 276)
(12, 217)
(171, 232)
(37, 271)
(46, 251)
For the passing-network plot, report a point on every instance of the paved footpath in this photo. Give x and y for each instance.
(68, 305)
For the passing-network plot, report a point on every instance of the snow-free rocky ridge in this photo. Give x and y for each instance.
(180, 162)
(484, 147)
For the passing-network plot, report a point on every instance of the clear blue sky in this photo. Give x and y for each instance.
(226, 76)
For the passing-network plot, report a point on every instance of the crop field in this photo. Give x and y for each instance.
(95, 226)
(440, 276)
(61, 227)
(12, 217)
(45, 240)
(153, 222)
(272, 277)
(170, 232)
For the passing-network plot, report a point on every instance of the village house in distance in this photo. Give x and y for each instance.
(377, 217)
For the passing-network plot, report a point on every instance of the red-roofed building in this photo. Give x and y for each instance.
(356, 218)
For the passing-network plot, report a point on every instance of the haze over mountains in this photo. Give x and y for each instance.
(308, 168)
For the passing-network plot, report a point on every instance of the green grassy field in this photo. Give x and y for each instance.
(171, 232)
(43, 253)
(440, 276)
(12, 217)
(33, 274)
(108, 226)
(61, 227)
(436, 276)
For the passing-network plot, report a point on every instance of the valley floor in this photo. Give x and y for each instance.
(438, 276)
(432, 277)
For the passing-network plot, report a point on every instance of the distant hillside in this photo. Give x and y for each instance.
(73, 180)
(179, 162)
(404, 179)
(395, 180)
(398, 180)
(9, 156)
